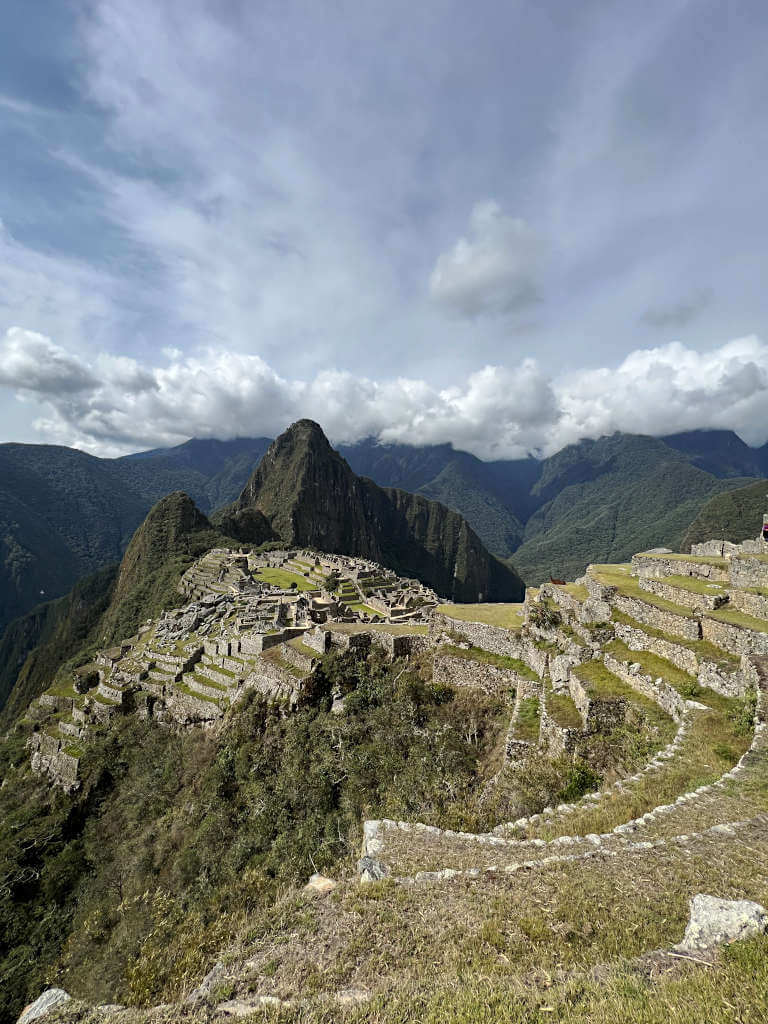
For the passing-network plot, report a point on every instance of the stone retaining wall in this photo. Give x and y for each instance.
(495, 639)
(556, 740)
(679, 595)
(276, 683)
(681, 657)
(305, 662)
(218, 677)
(476, 675)
(186, 709)
(748, 572)
(657, 690)
(750, 604)
(667, 622)
(736, 639)
(657, 566)
(598, 714)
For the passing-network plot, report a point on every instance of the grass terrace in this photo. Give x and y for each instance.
(362, 609)
(273, 655)
(394, 629)
(298, 645)
(653, 665)
(561, 708)
(695, 584)
(577, 590)
(619, 576)
(528, 720)
(703, 649)
(488, 658)
(509, 616)
(736, 618)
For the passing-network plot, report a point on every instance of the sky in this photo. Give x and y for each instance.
(505, 224)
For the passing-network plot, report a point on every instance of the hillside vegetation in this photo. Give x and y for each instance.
(731, 516)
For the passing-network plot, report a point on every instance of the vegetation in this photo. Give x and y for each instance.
(489, 658)
(175, 839)
(734, 515)
(284, 579)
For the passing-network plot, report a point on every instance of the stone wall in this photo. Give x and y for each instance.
(665, 695)
(717, 548)
(49, 758)
(681, 657)
(491, 638)
(556, 740)
(748, 572)
(679, 595)
(736, 639)
(275, 683)
(657, 566)
(598, 714)
(750, 604)
(186, 709)
(667, 622)
(298, 659)
(476, 675)
(317, 639)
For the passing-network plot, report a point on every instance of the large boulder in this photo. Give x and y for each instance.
(715, 921)
(50, 1000)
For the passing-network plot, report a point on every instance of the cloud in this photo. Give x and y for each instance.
(31, 362)
(494, 270)
(115, 405)
(678, 314)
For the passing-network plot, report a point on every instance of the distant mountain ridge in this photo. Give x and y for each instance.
(64, 514)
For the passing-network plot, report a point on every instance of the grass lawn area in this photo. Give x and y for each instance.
(577, 590)
(298, 645)
(283, 579)
(507, 615)
(364, 609)
(653, 665)
(378, 627)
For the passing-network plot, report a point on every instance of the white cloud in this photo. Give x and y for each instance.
(114, 405)
(494, 270)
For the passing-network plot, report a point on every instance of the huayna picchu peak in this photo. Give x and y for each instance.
(304, 493)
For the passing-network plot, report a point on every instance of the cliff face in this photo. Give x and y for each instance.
(305, 494)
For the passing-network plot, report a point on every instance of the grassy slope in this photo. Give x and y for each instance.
(733, 516)
(631, 493)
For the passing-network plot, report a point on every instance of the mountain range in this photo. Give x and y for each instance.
(64, 513)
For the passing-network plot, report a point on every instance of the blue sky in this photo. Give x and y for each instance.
(506, 225)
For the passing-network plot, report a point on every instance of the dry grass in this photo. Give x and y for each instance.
(508, 615)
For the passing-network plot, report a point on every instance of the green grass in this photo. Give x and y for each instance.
(653, 665)
(703, 649)
(577, 590)
(561, 708)
(618, 576)
(695, 584)
(600, 682)
(508, 615)
(527, 720)
(360, 608)
(488, 658)
(737, 618)
(283, 579)
(183, 688)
